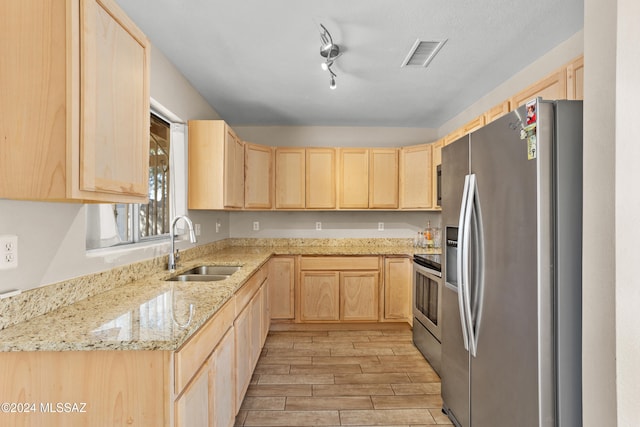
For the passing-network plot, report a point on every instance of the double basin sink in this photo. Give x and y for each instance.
(206, 273)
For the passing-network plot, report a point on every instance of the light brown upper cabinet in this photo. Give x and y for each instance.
(353, 178)
(216, 166)
(258, 176)
(320, 178)
(436, 157)
(290, 178)
(71, 130)
(416, 191)
(575, 79)
(553, 86)
(496, 112)
(383, 178)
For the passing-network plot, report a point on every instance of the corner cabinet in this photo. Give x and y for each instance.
(216, 166)
(75, 102)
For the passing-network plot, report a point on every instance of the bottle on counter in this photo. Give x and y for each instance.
(428, 235)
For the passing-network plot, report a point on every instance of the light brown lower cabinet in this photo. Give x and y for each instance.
(208, 400)
(200, 384)
(319, 296)
(336, 289)
(397, 288)
(359, 295)
(282, 287)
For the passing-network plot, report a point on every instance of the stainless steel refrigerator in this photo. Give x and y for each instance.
(511, 327)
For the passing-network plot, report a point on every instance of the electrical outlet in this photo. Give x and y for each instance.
(218, 225)
(318, 225)
(256, 225)
(198, 229)
(381, 226)
(8, 252)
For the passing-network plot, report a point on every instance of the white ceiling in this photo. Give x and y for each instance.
(257, 62)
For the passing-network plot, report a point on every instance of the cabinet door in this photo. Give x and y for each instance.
(290, 178)
(243, 354)
(397, 288)
(320, 178)
(383, 178)
(353, 181)
(223, 383)
(319, 295)
(281, 287)
(359, 295)
(256, 326)
(575, 79)
(436, 159)
(266, 312)
(233, 171)
(496, 112)
(258, 176)
(114, 105)
(415, 177)
(553, 86)
(193, 408)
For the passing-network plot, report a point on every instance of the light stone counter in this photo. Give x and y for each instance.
(152, 313)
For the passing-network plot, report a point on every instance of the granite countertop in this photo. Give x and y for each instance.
(153, 313)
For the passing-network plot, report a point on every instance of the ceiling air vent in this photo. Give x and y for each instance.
(422, 52)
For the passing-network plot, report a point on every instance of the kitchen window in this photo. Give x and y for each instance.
(110, 225)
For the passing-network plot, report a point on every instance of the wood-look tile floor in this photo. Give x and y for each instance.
(366, 377)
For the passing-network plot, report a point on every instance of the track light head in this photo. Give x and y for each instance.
(330, 51)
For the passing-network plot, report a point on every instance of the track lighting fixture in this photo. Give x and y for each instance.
(330, 51)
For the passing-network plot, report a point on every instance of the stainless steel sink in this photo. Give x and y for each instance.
(206, 273)
(225, 270)
(197, 277)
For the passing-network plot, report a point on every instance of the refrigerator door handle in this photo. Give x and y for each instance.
(466, 258)
(460, 262)
(475, 312)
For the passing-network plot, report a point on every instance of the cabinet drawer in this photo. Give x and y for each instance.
(245, 293)
(339, 263)
(190, 357)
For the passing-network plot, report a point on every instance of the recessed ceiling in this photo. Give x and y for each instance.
(258, 62)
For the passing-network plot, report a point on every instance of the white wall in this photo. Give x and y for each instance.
(51, 236)
(334, 224)
(599, 280)
(611, 289)
(627, 214)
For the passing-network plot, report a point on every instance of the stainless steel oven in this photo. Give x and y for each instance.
(427, 307)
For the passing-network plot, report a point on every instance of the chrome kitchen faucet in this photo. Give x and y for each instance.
(173, 255)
